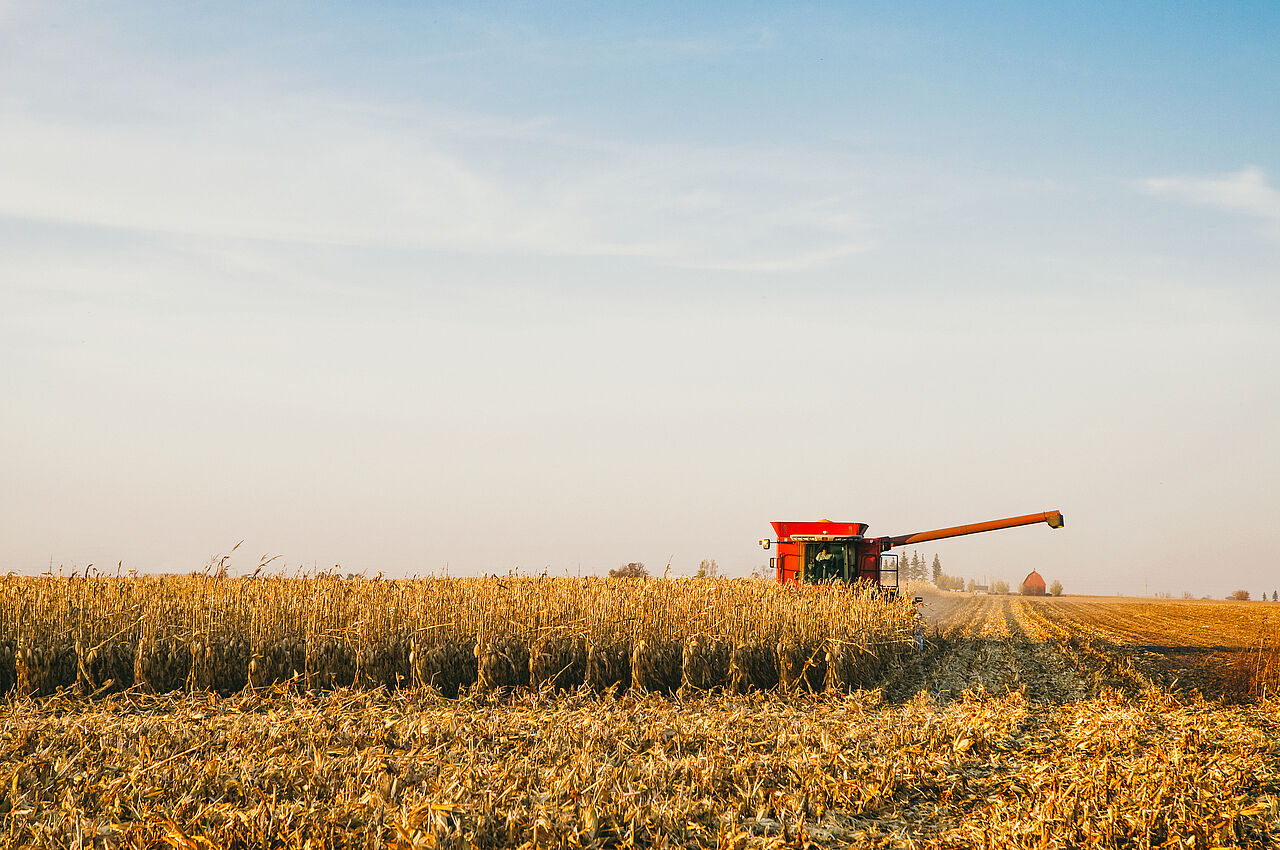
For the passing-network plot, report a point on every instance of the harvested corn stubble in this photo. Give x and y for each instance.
(357, 769)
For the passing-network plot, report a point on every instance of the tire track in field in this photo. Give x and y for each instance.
(953, 661)
(1099, 661)
(1045, 667)
(1180, 646)
(1003, 644)
(950, 615)
(973, 649)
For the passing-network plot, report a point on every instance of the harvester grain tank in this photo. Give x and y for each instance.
(824, 552)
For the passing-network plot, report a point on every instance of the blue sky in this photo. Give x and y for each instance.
(556, 286)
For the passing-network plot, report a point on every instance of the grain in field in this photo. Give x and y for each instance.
(216, 625)
(655, 665)
(1020, 756)
(330, 663)
(45, 667)
(450, 668)
(851, 665)
(608, 667)
(279, 662)
(502, 664)
(559, 662)
(1252, 675)
(385, 663)
(802, 664)
(162, 665)
(8, 668)
(220, 663)
(753, 667)
(107, 667)
(207, 633)
(706, 663)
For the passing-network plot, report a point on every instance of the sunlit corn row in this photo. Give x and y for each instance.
(1253, 674)
(102, 634)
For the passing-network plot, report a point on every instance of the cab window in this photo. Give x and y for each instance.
(824, 562)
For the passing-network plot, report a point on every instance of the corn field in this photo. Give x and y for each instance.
(201, 633)
(534, 713)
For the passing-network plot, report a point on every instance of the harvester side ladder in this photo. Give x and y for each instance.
(886, 570)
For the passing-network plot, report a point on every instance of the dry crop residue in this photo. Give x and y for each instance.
(1021, 723)
(1186, 645)
(357, 768)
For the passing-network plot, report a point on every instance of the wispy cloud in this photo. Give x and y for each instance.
(1247, 192)
(705, 47)
(335, 173)
(94, 133)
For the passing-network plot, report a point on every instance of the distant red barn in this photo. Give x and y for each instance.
(1033, 585)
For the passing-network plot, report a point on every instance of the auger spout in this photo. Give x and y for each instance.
(1052, 518)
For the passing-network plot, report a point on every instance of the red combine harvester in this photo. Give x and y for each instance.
(825, 552)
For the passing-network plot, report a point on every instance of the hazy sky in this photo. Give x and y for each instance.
(563, 286)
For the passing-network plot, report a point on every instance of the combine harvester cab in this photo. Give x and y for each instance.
(826, 552)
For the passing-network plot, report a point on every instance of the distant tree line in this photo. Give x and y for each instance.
(635, 569)
(919, 569)
(1243, 596)
(707, 568)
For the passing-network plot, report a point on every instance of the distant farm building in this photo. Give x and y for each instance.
(1033, 585)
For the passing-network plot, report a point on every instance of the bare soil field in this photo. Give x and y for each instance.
(1022, 723)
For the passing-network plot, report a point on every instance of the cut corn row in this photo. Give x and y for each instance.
(376, 769)
(163, 634)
